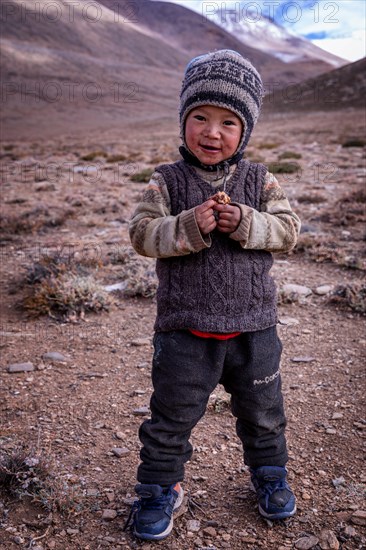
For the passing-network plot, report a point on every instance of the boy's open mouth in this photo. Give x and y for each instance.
(209, 148)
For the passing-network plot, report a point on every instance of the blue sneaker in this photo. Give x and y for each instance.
(275, 498)
(153, 512)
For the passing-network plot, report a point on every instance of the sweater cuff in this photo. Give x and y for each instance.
(242, 232)
(196, 240)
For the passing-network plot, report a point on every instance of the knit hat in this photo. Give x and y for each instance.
(223, 79)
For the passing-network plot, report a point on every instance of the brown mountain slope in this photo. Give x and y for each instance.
(190, 32)
(344, 87)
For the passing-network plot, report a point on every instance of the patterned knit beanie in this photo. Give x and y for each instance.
(222, 79)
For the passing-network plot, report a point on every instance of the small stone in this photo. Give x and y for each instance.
(120, 435)
(338, 482)
(330, 431)
(226, 537)
(193, 525)
(359, 517)
(305, 495)
(120, 452)
(304, 359)
(350, 531)
(54, 357)
(20, 367)
(72, 531)
(305, 543)
(143, 365)
(142, 411)
(294, 293)
(99, 425)
(45, 186)
(328, 540)
(110, 496)
(141, 342)
(337, 416)
(116, 287)
(92, 493)
(210, 532)
(323, 290)
(108, 515)
(288, 321)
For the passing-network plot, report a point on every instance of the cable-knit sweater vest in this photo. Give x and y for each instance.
(223, 288)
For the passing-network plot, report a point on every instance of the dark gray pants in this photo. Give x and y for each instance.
(186, 369)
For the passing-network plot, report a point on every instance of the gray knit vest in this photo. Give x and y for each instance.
(224, 288)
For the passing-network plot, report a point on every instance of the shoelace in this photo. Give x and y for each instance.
(272, 486)
(147, 503)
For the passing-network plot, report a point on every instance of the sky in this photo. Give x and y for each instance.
(336, 26)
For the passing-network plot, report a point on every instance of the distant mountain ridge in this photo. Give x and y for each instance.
(269, 36)
(341, 88)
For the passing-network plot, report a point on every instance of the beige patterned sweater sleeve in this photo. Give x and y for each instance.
(275, 227)
(156, 233)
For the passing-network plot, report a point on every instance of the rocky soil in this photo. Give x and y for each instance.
(81, 384)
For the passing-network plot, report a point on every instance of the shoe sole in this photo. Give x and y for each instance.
(168, 530)
(281, 515)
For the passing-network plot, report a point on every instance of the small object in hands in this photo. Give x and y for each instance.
(222, 198)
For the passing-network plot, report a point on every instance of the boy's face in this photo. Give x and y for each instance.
(212, 133)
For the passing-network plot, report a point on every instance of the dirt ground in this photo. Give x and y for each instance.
(78, 411)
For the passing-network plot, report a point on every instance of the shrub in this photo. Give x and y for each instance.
(354, 142)
(34, 220)
(62, 286)
(28, 473)
(93, 155)
(283, 167)
(268, 145)
(68, 295)
(143, 176)
(289, 155)
(116, 158)
(311, 199)
(351, 295)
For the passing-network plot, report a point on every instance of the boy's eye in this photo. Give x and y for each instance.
(229, 123)
(199, 117)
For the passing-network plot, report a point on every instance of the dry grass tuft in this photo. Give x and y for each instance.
(31, 474)
(67, 295)
(319, 250)
(59, 286)
(138, 272)
(351, 295)
(34, 220)
(348, 210)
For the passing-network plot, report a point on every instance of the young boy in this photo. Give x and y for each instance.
(216, 303)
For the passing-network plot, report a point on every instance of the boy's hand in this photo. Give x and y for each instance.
(205, 216)
(229, 217)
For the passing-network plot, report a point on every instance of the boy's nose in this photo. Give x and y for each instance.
(211, 130)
